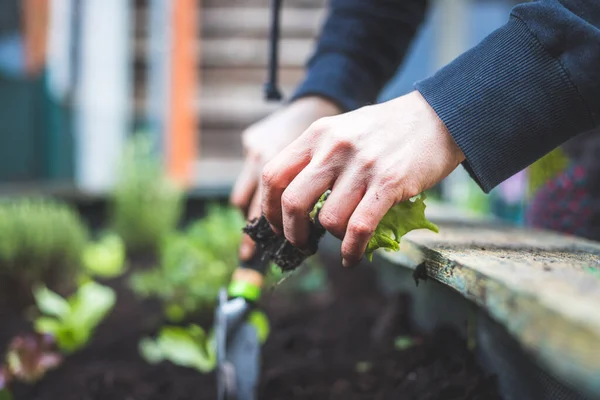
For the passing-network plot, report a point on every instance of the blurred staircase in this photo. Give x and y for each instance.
(232, 57)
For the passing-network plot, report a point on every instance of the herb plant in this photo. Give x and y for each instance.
(194, 264)
(146, 205)
(40, 240)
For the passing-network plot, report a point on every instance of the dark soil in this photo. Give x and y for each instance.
(277, 249)
(334, 345)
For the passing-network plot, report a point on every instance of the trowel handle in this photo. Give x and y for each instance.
(248, 278)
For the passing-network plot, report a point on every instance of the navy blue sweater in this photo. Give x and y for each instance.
(526, 89)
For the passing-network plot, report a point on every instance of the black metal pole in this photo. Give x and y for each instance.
(271, 90)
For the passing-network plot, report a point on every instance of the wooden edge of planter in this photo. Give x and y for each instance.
(543, 287)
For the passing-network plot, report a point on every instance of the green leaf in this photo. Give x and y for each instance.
(404, 342)
(260, 321)
(398, 221)
(150, 351)
(5, 394)
(77, 317)
(90, 305)
(51, 303)
(186, 347)
(105, 258)
(48, 325)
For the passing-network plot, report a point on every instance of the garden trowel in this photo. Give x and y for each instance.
(239, 330)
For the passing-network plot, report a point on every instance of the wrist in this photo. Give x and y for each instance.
(431, 118)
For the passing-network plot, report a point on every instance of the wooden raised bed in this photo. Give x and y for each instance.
(536, 295)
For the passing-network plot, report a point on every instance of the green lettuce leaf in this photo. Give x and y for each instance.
(397, 222)
(184, 346)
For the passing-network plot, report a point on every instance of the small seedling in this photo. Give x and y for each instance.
(28, 358)
(405, 342)
(105, 258)
(184, 346)
(71, 322)
(191, 346)
(194, 265)
(398, 221)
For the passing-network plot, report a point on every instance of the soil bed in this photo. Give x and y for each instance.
(338, 345)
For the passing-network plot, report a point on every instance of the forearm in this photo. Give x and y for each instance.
(360, 47)
(526, 89)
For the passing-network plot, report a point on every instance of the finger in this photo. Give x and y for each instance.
(246, 184)
(298, 200)
(248, 246)
(345, 196)
(277, 175)
(362, 224)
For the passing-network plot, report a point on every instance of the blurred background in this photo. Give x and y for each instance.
(79, 78)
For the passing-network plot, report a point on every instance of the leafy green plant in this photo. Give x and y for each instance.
(191, 346)
(397, 222)
(194, 264)
(146, 205)
(40, 239)
(545, 169)
(66, 325)
(27, 359)
(105, 257)
(184, 346)
(72, 321)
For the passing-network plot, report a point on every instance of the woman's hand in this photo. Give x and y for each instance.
(371, 158)
(262, 141)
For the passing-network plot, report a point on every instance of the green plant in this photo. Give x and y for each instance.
(184, 346)
(397, 222)
(40, 239)
(66, 325)
(146, 205)
(191, 346)
(194, 264)
(105, 257)
(72, 321)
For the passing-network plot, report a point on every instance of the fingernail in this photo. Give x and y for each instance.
(345, 263)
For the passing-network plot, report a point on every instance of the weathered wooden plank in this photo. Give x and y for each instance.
(243, 52)
(255, 22)
(264, 3)
(543, 287)
(221, 143)
(251, 22)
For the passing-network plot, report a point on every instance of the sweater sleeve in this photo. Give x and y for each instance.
(526, 89)
(361, 45)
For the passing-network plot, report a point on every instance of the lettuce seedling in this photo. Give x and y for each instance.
(398, 221)
(105, 258)
(72, 321)
(191, 346)
(184, 346)
(28, 358)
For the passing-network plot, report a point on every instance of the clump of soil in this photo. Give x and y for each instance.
(337, 344)
(278, 249)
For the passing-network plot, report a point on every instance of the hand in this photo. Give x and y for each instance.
(262, 141)
(371, 158)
